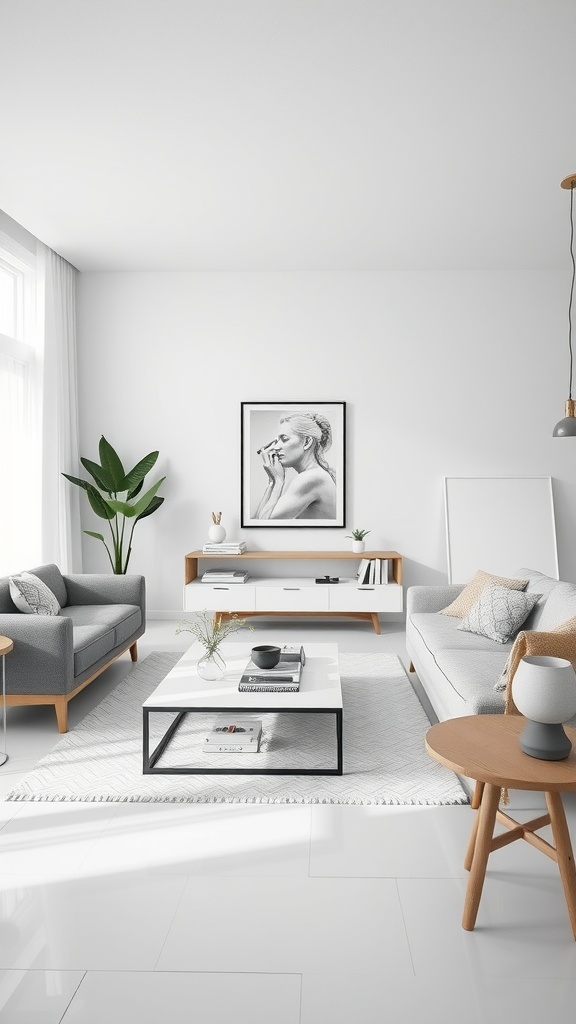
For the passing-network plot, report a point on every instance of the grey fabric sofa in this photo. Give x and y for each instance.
(458, 670)
(56, 656)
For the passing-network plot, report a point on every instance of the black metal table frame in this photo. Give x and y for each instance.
(150, 759)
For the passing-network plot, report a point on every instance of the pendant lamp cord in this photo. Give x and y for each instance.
(573, 280)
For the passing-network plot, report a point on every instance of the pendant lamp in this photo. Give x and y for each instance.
(567, 426)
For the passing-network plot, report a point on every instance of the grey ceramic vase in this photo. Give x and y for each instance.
(544, 691)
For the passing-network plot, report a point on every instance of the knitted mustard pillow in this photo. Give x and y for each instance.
(468, 597)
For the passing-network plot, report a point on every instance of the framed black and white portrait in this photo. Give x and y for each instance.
(293, 463)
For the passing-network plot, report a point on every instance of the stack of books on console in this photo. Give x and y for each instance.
(241, 736)
(373, 571)
(215, 576)
(232, 547)
(283, 678)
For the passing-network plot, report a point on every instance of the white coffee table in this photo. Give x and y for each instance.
(185, 692)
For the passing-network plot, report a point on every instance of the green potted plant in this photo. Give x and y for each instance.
(357, 538)
(116, 496)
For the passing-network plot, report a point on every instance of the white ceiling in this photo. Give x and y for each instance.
(290, 134)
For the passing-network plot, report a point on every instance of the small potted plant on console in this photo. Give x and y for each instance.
(357, 538)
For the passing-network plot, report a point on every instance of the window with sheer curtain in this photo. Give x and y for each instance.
(20, 402)
(39, 510)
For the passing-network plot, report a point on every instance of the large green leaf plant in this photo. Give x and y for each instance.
(116, 496)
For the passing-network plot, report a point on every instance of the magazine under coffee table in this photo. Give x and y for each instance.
(185, 693)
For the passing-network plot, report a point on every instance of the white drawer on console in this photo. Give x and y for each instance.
(292, 599)
(366, 599)
(221, 598)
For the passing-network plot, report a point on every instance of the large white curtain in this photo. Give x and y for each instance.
(20, 541)
(60, 506)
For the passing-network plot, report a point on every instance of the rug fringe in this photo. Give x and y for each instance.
(196, 799)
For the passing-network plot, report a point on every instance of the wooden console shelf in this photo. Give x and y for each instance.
(290, 595)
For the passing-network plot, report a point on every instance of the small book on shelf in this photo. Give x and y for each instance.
(362, 570)
(224, 576)
(239, 736)
(363, 577)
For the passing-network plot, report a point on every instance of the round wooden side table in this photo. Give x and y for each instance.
(487, 748)
(6, 646)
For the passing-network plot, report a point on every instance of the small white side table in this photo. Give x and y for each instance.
(6, 646)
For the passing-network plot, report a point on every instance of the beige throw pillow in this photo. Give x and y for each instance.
(468, 597)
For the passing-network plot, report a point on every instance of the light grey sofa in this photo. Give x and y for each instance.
(458, 670)
(56, 656)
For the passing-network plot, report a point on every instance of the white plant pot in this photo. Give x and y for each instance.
(216, 534)
(358, 546)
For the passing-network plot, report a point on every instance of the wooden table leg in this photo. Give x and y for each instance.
(474, 804)
(472, 842)
(477, 796)
(485, 833)
(564, 853)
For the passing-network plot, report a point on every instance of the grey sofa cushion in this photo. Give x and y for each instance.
(540, 584)
(560, 606)
(53, 578)
(440, 632)
(471, 675)
(128, 623)
(98, 629)
(91, 642)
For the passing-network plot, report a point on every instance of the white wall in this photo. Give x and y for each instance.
(443, 374)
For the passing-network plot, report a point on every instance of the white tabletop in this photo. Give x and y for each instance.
(184, 688)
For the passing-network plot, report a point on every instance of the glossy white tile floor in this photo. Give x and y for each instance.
(269, 915)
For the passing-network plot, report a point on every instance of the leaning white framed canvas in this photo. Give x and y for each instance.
(293, 464)
(499, 524)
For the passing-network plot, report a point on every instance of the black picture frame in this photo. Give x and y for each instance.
(282, 469)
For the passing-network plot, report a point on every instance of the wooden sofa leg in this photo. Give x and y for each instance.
(61, 708)
(411, 667)
(134, 651)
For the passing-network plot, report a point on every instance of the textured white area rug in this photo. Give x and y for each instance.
(384, 757)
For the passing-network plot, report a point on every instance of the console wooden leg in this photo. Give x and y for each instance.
(482, 847)
(134, 651)
(411, 667)
(375, 622)
(564, 853)
(61, 709)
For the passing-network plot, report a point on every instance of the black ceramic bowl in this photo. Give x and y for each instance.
(265, 656)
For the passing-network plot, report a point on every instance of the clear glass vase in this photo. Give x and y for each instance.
(212, 666)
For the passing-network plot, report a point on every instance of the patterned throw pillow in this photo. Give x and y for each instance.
(468, 597)
(499, 613)
(32, 596)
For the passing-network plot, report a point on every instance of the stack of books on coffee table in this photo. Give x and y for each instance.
(283, 678)
(241, 736)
